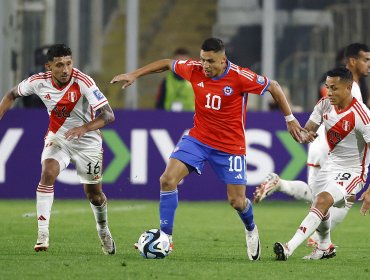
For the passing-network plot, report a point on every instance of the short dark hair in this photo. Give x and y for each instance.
(341, 72)
(354, 49)
(58, 50)
(213, 44)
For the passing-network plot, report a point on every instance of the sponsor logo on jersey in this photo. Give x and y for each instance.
(228, 91)
(72, 96)
(48, 97)
(260, 80)
(200, 85)
(346, 125)
(98, 94)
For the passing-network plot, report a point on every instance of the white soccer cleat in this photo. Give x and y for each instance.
(319, 254)
(42, 243)
(108, 245)
(281, 251)
(253, 244)
(268, 187)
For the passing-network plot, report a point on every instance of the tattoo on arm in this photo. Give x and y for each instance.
(311, 126)
(106, 114)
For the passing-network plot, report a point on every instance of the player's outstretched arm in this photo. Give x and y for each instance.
(293, 125)
(154, 67)
(105, 117)
(366, 202)
(310, 135)
(8, 101)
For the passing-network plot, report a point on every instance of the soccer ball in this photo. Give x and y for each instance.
(154, 244)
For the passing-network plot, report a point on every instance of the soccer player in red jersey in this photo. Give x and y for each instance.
(71, 99)
(221, 90)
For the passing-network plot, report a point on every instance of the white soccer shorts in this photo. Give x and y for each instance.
(88, 159)
(340, 184)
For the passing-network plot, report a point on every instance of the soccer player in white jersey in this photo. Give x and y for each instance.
(73, 135)
(347, 129)
(357, 57)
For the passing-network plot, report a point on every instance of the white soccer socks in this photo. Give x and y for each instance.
(100, 214)
(44, 202)
(307, 227)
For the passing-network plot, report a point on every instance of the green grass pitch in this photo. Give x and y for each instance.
(209, 243)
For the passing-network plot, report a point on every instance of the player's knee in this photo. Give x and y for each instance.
(323, 202)
(48, 176)
(50, 171)
(167, 182)
(237, 203)
(96, 198)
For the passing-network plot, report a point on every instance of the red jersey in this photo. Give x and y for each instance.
(221, 103)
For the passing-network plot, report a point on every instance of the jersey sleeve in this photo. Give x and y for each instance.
(252, 82)
(91, 91)
(27, 87)
(183, 68)
(317, 113)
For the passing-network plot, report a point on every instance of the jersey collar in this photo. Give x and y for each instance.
(224, 73)
(354, 100)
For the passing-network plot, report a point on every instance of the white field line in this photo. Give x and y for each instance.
(84, 210)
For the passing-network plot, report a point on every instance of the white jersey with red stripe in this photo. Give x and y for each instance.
(318, 150)
(69, 106)
(347, 133)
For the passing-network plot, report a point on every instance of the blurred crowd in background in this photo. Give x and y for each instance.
(294, 42)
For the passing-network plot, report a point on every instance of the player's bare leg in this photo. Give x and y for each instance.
(44, 202)
(237, 199)
(98, 203)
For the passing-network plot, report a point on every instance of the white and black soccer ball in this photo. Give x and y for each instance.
(154, 244)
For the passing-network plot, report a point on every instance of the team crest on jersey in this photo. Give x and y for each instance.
(260, 80)
(72, 96)
(98, 94)
(346, 125)
(228, 91)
